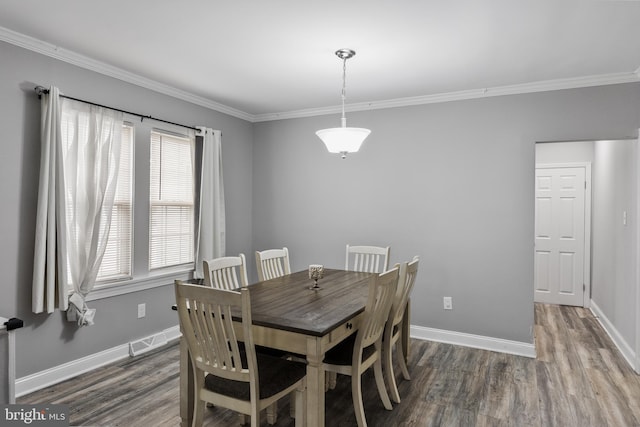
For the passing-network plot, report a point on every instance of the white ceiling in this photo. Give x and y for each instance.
(265, 57)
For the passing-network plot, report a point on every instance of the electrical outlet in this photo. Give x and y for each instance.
(448, 303)
(142, 310)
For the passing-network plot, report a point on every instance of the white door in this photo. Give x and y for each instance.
(560, 235)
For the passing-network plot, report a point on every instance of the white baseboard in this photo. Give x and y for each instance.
(627, 351)
(475, 341)
(51, 376)
(173, 333)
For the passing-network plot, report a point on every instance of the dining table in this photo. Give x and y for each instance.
(287, 314)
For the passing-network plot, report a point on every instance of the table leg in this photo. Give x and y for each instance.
(186, 385)
(315, 385)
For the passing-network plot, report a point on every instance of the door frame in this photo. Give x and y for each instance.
(586, 295)
(637, 349)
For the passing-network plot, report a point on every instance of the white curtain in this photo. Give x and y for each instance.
(86, 139)
(46, 294)
(210, 239)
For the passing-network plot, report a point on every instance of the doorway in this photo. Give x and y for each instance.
(612, 286)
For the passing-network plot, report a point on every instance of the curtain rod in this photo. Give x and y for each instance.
(41, 89)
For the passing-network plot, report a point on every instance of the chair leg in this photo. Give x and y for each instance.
(403, 362)
(243, 418)
(300, 399)
(198, 404)
(356, 392)
(198, 412)
(332, 379)
(382, 391)
(292, 405)
(255, 417)
(388, 369)
(272, 413)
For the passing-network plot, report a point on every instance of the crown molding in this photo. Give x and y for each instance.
(541, 86)
(82, 61)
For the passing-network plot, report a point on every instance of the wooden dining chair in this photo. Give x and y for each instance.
(227, 372)
(393, 331)
(230, 273)
(272, 263)
(369, 259)
(226, 272)
(361, 350)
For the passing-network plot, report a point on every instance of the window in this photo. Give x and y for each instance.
(171, 197)
(116, 262)
(150, 239)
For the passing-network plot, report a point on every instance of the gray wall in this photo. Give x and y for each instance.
(48, 340)
(565, 152)
(450, 182)
(614, 244)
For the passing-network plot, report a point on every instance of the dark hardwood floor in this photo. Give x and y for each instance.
(578, 379)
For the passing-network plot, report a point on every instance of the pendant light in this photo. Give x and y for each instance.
(343, 140)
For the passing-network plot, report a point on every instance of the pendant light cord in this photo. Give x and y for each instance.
(344, 89)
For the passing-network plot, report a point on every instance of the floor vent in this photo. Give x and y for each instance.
(147, 344)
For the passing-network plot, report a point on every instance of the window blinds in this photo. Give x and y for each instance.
(171, 191)
(116, 262)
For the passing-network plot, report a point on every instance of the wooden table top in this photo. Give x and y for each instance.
(287, 302)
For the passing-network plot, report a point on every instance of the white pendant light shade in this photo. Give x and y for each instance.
(343, 140)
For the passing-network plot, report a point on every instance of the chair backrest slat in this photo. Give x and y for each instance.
(272, 263)
(222, 273)
(369, 259)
